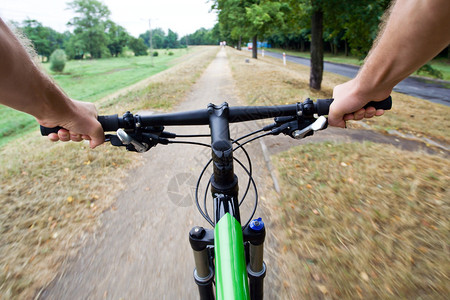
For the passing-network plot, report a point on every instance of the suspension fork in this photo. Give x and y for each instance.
(255, 235)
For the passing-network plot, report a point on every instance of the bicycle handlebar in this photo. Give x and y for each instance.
(201, 117)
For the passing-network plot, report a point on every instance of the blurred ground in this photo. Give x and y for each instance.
(142, 251)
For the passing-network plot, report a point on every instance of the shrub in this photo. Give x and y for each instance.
(138, 46)
(155, 53)
(58, 60)
(170, 53)
(428, 69)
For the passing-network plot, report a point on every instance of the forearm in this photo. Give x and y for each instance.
(22, 84)
(416, 31)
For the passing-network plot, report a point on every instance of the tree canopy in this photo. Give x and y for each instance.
(351, 25)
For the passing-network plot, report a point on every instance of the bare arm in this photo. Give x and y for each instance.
(24, 87)
(416, 31)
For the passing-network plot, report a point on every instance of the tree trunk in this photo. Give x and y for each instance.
(315, 77)
(346, 47)
(239, 43)
(255, 46)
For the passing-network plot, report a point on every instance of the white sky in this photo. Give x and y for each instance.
(182, 16)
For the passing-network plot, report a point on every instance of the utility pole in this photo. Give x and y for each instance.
(151, 40)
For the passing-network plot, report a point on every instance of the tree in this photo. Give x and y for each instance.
(44, 39)
(158, 37)
(138, 46)
(264, 16)
(200, 37)
(171, 40)
(250, 18)
(90, 25)
(316, 73)
(232, 20)
(117, 38)
(354, 21)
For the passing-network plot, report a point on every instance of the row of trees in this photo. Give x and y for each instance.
(351, 25)
(96, 36)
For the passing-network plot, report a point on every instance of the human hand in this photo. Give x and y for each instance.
(79, 123)
(348, 104)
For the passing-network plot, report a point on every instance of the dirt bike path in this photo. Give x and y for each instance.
(142, 250)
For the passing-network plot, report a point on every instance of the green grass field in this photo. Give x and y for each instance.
(89, 80)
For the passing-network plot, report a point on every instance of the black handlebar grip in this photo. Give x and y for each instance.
(109, 123)
(323, 105)
(47, 130)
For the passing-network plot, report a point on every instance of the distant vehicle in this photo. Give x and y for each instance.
(250, 46)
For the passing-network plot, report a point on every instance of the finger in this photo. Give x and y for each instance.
(349, 117)
(370, 112)
(63, 135)
(86, 137)
(53, 137)
(75, 137)
(379, 112)
(94, 143)
(97, 138)
(359, 115)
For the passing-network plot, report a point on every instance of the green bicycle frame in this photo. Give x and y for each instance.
(231, 272)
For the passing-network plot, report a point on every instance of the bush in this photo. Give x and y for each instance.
(155, 53)
(428, 69)
(138, 46)
(58, 60)
(170, 53)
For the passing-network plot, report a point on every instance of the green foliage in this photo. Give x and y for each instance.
(171, 41)
(347, 25)
(117, 38)
(138, 46)
(266, 16)
(428, 69)
(158, 37)
(201, 37)
(75, 47)
(45, 40)
(58, 60)
(155, 53)
(90, 26)
(170, 53)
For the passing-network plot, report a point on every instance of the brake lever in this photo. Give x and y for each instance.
(319, 124)
(127, 140)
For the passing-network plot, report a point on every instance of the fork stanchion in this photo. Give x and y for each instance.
(200, 240)
(255, 234)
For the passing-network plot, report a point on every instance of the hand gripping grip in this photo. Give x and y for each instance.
(323, 105)
(109, 123)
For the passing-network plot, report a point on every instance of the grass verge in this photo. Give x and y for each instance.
(364, 225)
(51, 194)
(267, 81)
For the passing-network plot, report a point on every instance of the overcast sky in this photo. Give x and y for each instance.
(181, 16)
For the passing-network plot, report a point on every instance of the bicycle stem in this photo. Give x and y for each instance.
(224, 183)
